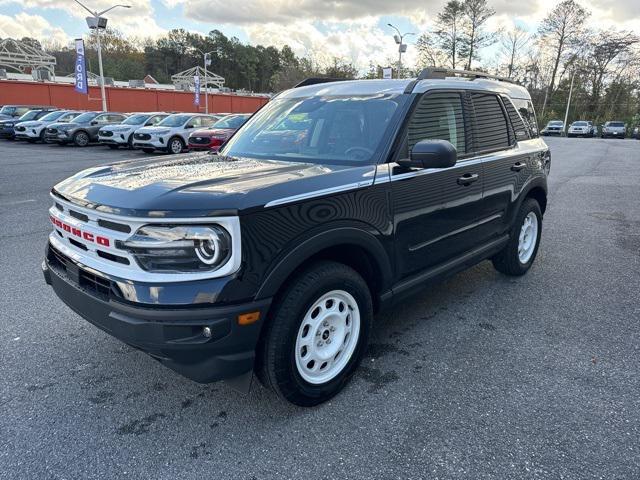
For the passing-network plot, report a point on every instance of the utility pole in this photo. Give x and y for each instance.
(566, 113)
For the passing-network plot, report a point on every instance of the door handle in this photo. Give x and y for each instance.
(516, 167)
(468, 179)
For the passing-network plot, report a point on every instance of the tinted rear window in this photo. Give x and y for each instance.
(520, 129)
(491, 129)
(616, 124)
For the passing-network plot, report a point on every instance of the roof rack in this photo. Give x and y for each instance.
(317, 80)
(441, 73)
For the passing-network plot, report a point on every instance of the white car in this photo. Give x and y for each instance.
(121, 134)
(171, 134)
(580, 129)
(34, 130)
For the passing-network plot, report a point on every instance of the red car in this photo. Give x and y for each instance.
(213, 137)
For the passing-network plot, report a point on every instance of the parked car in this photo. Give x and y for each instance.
(581, 128)
(171, 134)
(213, 137)
(636, 133)
(8, 112)
(614, 129)
(34, 130)
(121, 134)
(7, 126)
(554, 127)
(274, 255)
(82, 130)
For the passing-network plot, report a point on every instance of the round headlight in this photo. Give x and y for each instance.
(210, 250)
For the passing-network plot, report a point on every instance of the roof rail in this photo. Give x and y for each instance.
(317, 80)
(437, 72)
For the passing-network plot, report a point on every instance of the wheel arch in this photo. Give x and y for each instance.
(351, 246)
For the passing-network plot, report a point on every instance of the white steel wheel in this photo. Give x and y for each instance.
(528, 237)
(327, 337)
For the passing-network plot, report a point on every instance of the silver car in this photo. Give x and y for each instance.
(614, 130)
(580, 128)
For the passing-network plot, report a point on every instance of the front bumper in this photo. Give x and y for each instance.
(156, 143)
(57, 138)
(29, 133)
(7, 133)
(171, 335)
(115, 139)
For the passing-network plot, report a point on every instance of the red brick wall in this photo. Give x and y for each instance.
(122, 99)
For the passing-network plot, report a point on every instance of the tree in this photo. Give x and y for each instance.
(448, 30)
(474, 34)
(429, 53)
(561, 29)
(513, 41)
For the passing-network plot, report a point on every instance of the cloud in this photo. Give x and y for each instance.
(34, 26)
(361, 43)
(137, 21)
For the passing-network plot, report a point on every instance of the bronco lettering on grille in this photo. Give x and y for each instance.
(89, 237)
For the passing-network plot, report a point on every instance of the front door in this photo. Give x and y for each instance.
(435, 210)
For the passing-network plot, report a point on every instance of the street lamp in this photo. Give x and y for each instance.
(402, 47)
(566, 113)
(207, 62)
(97, 22)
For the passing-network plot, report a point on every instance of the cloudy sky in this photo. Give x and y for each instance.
(354, 29)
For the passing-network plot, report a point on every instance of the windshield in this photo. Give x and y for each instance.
(579, 124)
(135, 120)
(30, 115)
(174, 121)
(85, 117)
(234, 121)
(52, 116)
(616, 124)
(331, 129)
(7, 110)
(556, 123)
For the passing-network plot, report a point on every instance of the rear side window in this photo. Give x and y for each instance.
(528, 114)
(491, 128)
(438, 116)
(520, 130)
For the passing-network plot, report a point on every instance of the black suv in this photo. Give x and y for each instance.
(332, 202)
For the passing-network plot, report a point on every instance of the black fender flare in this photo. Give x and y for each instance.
(539, 182)
(313, 244)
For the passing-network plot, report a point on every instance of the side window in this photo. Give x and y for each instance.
(491, 128)
(519, 128)
(155, 120)
(438, 116)
(528, 114)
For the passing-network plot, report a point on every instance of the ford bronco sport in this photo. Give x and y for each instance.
(332, 202)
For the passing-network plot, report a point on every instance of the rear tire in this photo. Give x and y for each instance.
(316, 334)
(519, 253)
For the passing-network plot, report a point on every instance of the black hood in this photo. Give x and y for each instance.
(200, 184)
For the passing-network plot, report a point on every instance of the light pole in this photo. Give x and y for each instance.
(207, 62)
(402, 47)
(97, 22)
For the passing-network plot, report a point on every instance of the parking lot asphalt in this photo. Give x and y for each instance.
(482, 376)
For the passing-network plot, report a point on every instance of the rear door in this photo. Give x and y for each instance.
(502, 142)
(435, 209)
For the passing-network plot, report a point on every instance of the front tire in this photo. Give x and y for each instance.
(518, 255)
(175, 146)
(316, 335)
(81, 139)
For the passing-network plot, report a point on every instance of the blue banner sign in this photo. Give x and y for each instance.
(196, 85)
(81, 69)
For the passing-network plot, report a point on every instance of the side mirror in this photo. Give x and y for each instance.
(189, 126)
(431, 154)
(94, 122)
